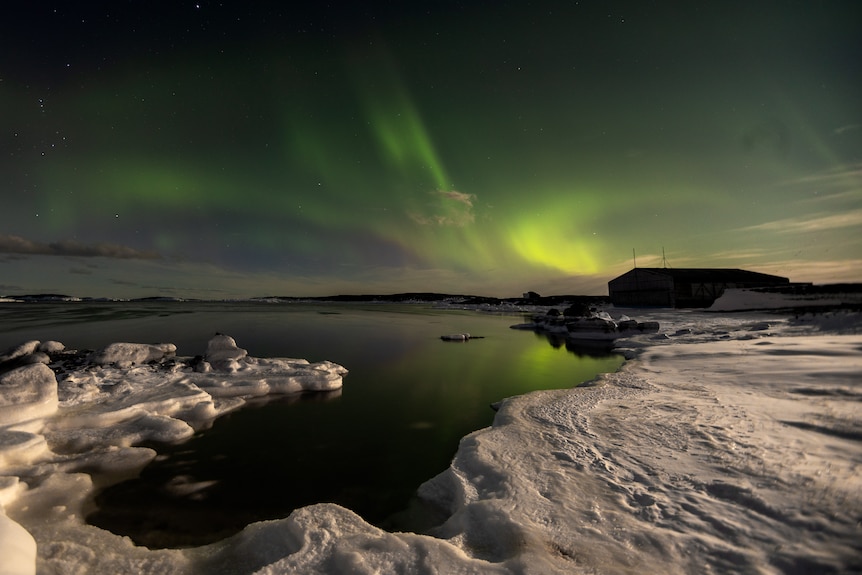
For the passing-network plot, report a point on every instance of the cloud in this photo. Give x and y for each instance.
(819, 271)
(846, 128)
(466, 199)
(810, 224)
(454, 209)
(81, 271)
(10, 244)
(736, 255)
(845, 176)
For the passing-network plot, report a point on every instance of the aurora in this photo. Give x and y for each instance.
(267, 149)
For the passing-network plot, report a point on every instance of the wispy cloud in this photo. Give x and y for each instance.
(11, 244)
(81, 271)
(744, 255)
(814, 223)
(844, 175)
(847, 128)
(818, 271)
(854, 195)
(454, 195)
(454, 209)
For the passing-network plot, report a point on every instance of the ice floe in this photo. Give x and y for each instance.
(459, 337)
(597, 326)
(65, 415)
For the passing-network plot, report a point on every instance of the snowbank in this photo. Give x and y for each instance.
(731, 447)
(823, 297)
(56, 430)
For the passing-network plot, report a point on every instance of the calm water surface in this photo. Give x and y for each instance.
(407, 401)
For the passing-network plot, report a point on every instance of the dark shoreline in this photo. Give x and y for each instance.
(410, 297)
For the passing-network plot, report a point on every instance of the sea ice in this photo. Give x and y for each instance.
(128, 354)
(729, 445)
(17, 548)
(88, 419)
(26, 393)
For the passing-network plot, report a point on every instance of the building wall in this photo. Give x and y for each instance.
(699, 294)
(645, 287)
(640, 288)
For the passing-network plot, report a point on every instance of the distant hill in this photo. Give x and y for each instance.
(431, 297)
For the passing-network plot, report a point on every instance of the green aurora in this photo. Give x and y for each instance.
(224, 150)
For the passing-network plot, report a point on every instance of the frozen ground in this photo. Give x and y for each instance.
(729, 443)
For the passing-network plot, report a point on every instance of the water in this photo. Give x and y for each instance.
(407, 401)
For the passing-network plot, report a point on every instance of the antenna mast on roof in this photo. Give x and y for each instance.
(663, 259)
(634, 258)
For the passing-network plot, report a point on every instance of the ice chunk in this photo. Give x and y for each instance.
(215, 384)
(145, 428)
(50, 347)
(17, 548)
(223, 353)
(455, 337)
(10, 489)
(107, 465)
(20, 447)
(26, 393)
(37, 357)
(127, 354)
(21, 350)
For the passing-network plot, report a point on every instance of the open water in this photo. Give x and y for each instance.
(406, 403)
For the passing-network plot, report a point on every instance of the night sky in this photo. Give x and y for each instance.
(235, 149)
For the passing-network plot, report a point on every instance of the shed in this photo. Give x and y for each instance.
(682, 287)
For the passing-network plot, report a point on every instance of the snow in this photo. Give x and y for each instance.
(128, 354)
(17, 548)
(28, 393)
(456, 337)
(598, 327)
(726, 444)
(739, 299)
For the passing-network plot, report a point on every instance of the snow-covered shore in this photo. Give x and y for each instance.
(725, 445)
(71, 422)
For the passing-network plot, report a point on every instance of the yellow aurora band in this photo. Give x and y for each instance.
(557, 239)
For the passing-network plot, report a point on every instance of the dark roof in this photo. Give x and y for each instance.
(715, 275)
